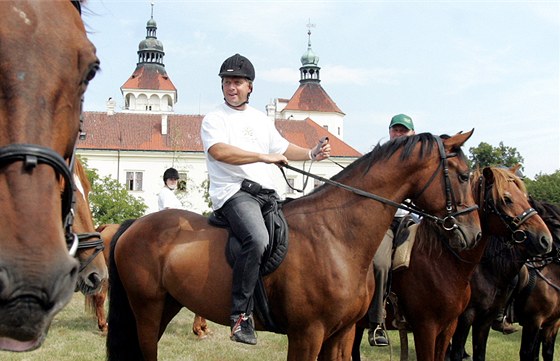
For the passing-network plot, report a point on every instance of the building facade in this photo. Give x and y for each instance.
(136, 145)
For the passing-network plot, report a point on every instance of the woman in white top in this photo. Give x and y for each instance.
(167, 197)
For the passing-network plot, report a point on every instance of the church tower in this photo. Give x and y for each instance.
(149, 89)
(310, 99)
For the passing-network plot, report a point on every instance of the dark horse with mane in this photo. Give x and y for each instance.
(174, 258)
(46, 62)
(537, 303)
(433, 291)
(503, 258)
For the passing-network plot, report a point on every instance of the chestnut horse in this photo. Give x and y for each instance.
(96, 302)
(434, 290)
(93, 274)
(172, 259)
(502, 260)
(46, 62)
(537, 305)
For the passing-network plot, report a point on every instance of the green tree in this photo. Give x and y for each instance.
(485, 155)
(109, 200)
(545, 187)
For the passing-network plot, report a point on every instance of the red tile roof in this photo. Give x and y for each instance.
(310, 96)
(149, 76)
(142, 132)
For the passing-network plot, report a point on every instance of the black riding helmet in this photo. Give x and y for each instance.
(170, 173)
(237, 65)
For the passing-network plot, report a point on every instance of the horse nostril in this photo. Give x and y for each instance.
(546, 243)
(94, 280)
(478, 237)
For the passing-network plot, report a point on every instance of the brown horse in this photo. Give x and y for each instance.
(537, 305)
(503, 258)
(46, 62)
(96, 302)
(93, 275)
(434, 290)
(173, 259)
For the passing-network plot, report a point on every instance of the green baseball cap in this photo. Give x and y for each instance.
(403, 120)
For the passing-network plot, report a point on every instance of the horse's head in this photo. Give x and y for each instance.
(93, 268)
(442, 189)
(46, 62)
(506, 212)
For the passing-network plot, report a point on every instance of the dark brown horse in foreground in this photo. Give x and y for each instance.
(46, 62)
(435, 289)
(503, 258)
(537, 304)
(173, 259)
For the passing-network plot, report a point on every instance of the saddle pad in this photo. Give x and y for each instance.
(401, 257)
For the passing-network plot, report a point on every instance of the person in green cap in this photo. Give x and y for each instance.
(401, 126)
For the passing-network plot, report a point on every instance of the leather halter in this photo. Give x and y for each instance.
(448, 223)
(511, 223)
(90, 240)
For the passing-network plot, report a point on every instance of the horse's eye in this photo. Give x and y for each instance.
(507, 200)
(91, 73)
(464, 177)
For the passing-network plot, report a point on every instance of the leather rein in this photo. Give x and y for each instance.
(448, 223)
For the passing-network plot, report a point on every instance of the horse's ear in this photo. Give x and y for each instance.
(488, 175)
(515, 168)
(457, 140)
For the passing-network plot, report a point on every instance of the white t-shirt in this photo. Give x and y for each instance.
(248, 129)
(168, 199)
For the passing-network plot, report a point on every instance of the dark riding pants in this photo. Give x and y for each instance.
(243, 213)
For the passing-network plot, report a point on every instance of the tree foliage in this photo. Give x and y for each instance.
(485, 155)
(545, 187)
(109, 200)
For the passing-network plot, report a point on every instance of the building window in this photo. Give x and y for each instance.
(326, 127)
(291, 183)
(134, 181)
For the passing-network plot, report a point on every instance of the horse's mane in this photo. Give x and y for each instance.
(550, 214)
(82, 176)
(502, 177)
(388, 149)
(430, 237)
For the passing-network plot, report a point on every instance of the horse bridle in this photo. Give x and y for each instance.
(32, 155)
(449, 222)
(511, 223)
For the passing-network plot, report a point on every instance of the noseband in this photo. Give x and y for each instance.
(511, 223)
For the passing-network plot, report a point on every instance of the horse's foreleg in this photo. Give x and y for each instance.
(99, 302)
(356, 344)
(480, 334)
(425, 342)
(548, 346)
(339, 346)
(529, 339)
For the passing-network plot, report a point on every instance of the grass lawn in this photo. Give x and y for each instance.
(73, 336)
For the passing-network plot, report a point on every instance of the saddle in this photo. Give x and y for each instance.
(403, 243)
(274, 254)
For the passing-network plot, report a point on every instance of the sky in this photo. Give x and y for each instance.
(451, 65)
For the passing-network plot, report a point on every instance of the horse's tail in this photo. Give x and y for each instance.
(122, 339)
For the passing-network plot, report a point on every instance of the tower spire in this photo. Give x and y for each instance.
(309, 71)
